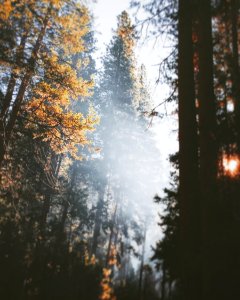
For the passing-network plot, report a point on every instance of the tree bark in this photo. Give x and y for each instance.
(188, 158)
(235, 67)
(208, 154)
(98, 221)
(13, 78)
(163, 282)
(140, 282)
(111, 235)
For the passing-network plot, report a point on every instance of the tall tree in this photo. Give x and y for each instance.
(208, 149)
(235, 65)
(188, 156)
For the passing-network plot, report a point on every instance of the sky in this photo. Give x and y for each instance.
(105, 13)
(150, 54)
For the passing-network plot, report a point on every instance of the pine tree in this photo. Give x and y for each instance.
(126, 156)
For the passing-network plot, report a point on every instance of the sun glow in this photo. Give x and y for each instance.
(231, 165)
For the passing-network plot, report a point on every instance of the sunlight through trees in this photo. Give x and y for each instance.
(80, 168)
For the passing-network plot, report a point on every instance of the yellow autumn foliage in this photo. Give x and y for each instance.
(112, 260)
(107, 290)
(48, 109)
(71, 35)
(5, 9)
(127, 33)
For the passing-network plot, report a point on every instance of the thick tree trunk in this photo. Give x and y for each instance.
(208, 156)
(235, 67)
(188, 159)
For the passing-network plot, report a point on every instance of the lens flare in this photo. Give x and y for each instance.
(231, 165)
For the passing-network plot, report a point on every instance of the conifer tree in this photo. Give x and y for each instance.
(126, 156)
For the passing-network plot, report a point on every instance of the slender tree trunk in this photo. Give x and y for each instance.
(111, 235)
(57, 160)
(98, 221)
(170, 290)
(66, 203)
(140, 282)
(13, 78)
(188, 159)
(61, 231)
(163, 281)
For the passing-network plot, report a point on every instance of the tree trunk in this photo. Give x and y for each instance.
(140, 282)
(208, 155)
(111, 235)
(188, 159)
(12, 81)
(98, 221)
(235, 67)
(163, 282)
(55, 167)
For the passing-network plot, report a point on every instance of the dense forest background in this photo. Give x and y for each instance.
(79, 163)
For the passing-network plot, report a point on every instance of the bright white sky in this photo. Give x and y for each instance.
(106, 12)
